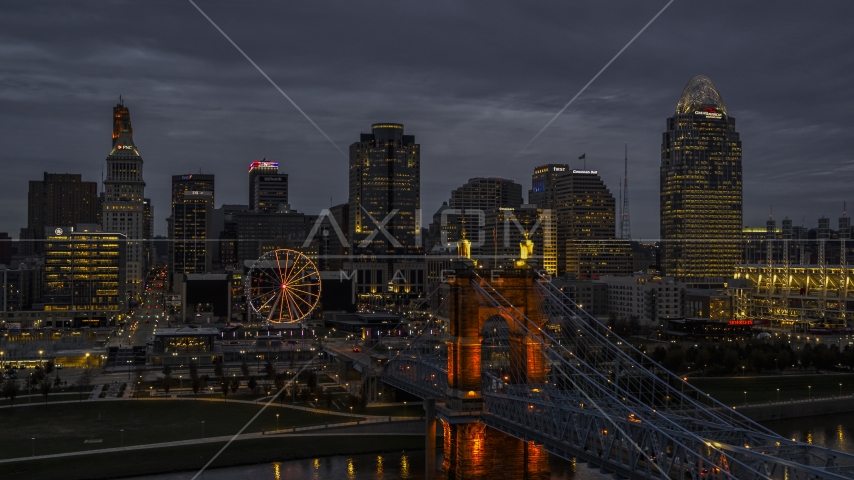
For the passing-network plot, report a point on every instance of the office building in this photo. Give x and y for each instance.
(544, 181)
(121, 120)
(586, 211)
(84, 270)
(599, 258)
(192, 250)
(271, 193)
(476, 200)
(190, 226)
(58, 199)
(514, 226)
(644, 300)
(259, 233)
(257, 168)
(701, 186)
(124, 204)
(22, 285)
(385, 191)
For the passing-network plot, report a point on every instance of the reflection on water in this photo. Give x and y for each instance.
(831, 431)
(394, 466)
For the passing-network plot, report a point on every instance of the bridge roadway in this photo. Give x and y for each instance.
(580, 413)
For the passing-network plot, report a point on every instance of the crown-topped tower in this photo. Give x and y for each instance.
(124, 191)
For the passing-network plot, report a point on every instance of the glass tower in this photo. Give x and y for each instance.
(385, 192)
(701, 189)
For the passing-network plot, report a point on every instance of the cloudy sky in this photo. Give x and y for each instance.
(473, 81)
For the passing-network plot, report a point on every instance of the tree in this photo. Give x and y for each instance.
(48, 367)
(268, 368)
(10, 389)
(252, 384)
(235, 384)
(45, 386)
(223, 386)
(280, 381)
(167, 383)
(218, 367)
(196, 384)
(194, 370)
(167, 370)
(56, 381)
(244, 368)
(312, 380)
(84, 380)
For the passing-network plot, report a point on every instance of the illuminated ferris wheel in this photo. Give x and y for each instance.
(283, 286)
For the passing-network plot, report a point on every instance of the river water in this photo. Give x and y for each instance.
(831, 431)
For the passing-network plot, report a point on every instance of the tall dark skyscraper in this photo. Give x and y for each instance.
(256, 168)
(701, 186)
(58, 200)
(475, 202)
(121, 120)
(191, 225)
(543, 192)
(385, 190)
(271, 192)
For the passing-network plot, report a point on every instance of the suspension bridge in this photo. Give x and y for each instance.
(524, 373)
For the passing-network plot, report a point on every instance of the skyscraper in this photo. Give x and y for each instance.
(385, 192)
(124, 203)
(59, 200)
(121, 120)
(190, 225)
(543, 192)
(701, 189)
(271, 193)
(259, 167)
(586, 211)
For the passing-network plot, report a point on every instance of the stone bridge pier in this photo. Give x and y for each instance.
(473, 451)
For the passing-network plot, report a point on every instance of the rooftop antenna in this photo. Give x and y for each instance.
(121, 102)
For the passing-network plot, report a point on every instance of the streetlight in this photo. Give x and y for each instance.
(778, 395)
(404, 408)
(277, 422)
(181, 387)
(87, 359)
(742, 370)
(40, 357)
(840, 389)
(745, 397)
(809, 389)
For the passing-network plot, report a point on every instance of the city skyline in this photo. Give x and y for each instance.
(466, 129)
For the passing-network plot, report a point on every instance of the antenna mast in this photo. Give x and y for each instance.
(626, 226)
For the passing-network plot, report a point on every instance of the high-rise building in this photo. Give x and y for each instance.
(59, 199)
(256, 168)
(701, 186)
(586, 211)
(84, 270)
(191, 225)
(271, 192)
(148, 232)
(474, 202)
(385, 192)
(515, 225)
(124, 204)
(543, 192)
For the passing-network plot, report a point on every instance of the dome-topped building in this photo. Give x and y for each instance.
(701, 186)
(700, 93)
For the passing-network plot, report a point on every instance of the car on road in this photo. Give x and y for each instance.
(356, 349)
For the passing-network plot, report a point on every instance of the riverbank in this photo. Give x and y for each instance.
(798, 408)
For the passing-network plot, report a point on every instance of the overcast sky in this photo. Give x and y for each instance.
(473, 81)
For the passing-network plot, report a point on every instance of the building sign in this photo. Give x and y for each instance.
(591, 172)
(187, 177)
(124, 147)
(741, 322)
(709, 112)
(271, 179)
(559, 169)
(263, 164)
(58, 231)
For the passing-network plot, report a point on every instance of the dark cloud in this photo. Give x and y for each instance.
(473, 81)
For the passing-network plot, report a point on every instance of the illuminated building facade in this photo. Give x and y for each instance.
(124, 204)
(385, 191)
(701, 186)
(190, 226)
(84, 270)
(256, 168)
(515, 225)
(58, 199)
(121, 120)
(585, 210)
(543, 192)
(599, 258)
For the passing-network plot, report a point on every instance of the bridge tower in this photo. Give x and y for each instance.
(473, 451)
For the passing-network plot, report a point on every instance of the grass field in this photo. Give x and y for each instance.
(193, 457)
(62, 428)
(730, 390)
